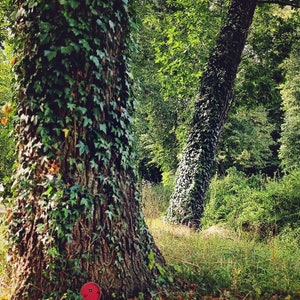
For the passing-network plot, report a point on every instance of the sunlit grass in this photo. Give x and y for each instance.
(222, 262)
(4, 277)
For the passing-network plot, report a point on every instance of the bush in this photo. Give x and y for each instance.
(256, 203)
(155, 198)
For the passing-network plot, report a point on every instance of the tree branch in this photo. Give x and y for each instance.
(293, 3)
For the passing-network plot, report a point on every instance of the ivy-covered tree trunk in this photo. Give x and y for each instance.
(77, 215)
(211, 109)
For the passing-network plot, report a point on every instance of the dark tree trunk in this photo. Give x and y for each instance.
(77, 215)
(211, 109)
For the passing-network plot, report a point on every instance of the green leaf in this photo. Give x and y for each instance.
(111, 24)
(82, 109)
(83, 148)
(100, 53)
(87, 202)
(49, 191)
(103, 128)
(71, 106)
(74, 4)
(95, 60)
(85, 44)
(50, 54)
(109, 214)
(151, 260)
(87, 121)
(101, 24)
(66, 49)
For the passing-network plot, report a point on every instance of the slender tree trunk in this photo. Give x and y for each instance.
(77, 215)
(211, 109)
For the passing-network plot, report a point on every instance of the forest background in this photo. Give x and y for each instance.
(256, 187)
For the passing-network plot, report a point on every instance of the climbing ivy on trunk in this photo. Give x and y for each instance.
(211, 109)
(76, 214)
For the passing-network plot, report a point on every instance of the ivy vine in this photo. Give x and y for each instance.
(74, 119)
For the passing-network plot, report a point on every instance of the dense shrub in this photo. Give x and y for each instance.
(256, 203)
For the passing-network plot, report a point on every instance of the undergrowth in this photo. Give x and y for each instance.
(4, 277)
(227, 259)
(222, 261)
(256, 203)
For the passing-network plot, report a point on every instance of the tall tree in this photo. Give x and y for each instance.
(211, 109)
(174, 39)
(76, 214)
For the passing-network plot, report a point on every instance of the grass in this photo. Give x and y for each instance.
(216, 263)
(223, 263)
(4, 285)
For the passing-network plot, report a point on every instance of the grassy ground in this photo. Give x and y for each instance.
(219, 263)
(216, 263)
(222, 263)
(4, 281)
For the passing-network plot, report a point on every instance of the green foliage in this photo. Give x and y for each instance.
(270, 42)
(5, 10)
(174, 39)
(246, 140)
(186, 30)
(6, 114)
(261, 72)
(221, 262)
(290, 138)
(255, 203)
(155, 198)
(155, 119)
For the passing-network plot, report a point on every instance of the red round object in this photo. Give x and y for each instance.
(91, 291)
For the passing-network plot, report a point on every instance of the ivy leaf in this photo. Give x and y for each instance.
(50, 54)
(103, 128)
(66, 49)
(82, 109)
(111, 24)
(95, 60)
(101, 24)
(100, 53)
(87, 121)
(151, 259)
(71, 106)
(73, 3)
(85, 44)
(83, 148)
(87, 202)
(109, 214)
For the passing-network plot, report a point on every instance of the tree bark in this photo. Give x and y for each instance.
(77, 214)
(211, 109)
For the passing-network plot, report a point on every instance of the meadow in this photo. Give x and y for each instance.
(219, 262)
(224, 261)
